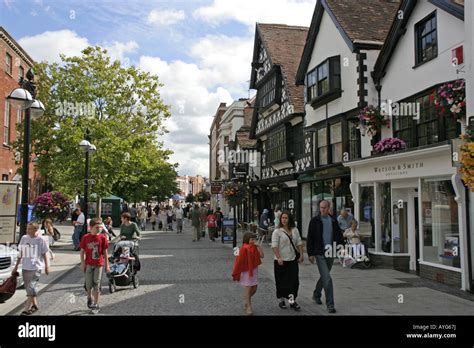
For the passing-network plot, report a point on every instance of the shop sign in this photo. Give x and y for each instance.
(216, 187)
(398, 169)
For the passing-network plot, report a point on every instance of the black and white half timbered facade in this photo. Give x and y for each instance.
(277, 123)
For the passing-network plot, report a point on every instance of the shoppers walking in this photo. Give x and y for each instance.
(211, 225)
(78, 227)
(153, 220)
(219, 218)
(287, 247)
(109, 228)
(169, 218)
(277, 215)
(196, 222)
(33, 258)
(246, 268)
(203, 212)
(133, 213)
(93, 258)
(163, 218)
(323, 231)
(142, 216)
(178, 215)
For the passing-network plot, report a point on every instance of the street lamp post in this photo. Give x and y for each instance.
(88, 149)
(23, 98)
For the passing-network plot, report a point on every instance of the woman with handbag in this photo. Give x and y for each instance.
(287, 247)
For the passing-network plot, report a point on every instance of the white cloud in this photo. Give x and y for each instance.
(226, 61)
(195, 90)
(48, 45)
(291, 12)
(117, 50)
(193, 103)
(165, 17)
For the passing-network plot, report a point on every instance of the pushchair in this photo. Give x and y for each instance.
(124, 274)
(355, 256)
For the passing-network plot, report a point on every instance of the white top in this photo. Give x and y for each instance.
(81, 219)
(281, 241)
(178, 212)
(32, 251)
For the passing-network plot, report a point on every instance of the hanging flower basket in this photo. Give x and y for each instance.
(451, 98)
(372, 119)
(467, 159)
(389, 145)
(235, 193)
(53, 205)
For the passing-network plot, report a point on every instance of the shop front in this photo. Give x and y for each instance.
(412, 214)
(331, 184)
(267, 194)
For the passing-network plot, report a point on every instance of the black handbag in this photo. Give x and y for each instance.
(298, 255)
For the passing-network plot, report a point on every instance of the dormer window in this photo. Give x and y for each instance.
(323, 83)
(269, 91)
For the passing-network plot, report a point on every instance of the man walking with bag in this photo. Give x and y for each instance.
(322, 233)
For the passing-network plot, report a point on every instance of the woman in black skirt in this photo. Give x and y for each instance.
(288, 249)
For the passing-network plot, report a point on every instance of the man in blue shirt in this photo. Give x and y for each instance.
(322, 233)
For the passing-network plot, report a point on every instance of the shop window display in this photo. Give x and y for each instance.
(440, 223)
(366, 206)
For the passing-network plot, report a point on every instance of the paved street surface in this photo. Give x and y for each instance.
(179, 277)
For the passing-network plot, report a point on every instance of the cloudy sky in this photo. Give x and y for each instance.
(200, 49)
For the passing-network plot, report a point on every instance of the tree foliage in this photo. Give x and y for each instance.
(126, 120)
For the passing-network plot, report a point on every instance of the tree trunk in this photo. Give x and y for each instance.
(99, 207)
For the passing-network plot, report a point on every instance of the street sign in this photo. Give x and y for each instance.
(216, 187)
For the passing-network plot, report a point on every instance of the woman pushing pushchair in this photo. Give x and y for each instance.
(125, 262)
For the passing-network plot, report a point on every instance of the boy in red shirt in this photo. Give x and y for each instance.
(211, 225)
(93, 256)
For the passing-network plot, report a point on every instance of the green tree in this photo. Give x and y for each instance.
(124, 112)
(190, 198)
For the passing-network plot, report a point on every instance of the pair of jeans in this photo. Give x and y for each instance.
(76, 236)
(325, 280)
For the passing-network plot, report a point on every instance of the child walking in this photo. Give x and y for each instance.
(93, 257)
(246, 268)
(33, 257)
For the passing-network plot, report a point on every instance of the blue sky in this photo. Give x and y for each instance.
(200, 49)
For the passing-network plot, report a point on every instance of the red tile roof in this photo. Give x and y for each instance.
(365, 20)
(285, 46)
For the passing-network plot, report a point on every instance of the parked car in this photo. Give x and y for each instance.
(8, 257)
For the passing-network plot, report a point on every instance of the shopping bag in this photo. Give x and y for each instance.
(9, 285)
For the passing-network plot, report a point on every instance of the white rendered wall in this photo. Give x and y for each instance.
(329, 42)
(402, 80)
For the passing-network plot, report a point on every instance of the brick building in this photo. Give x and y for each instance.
(14, 62)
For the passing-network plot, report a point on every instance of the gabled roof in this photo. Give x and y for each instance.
(398, 29)
(284, 45)
(363, 24)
